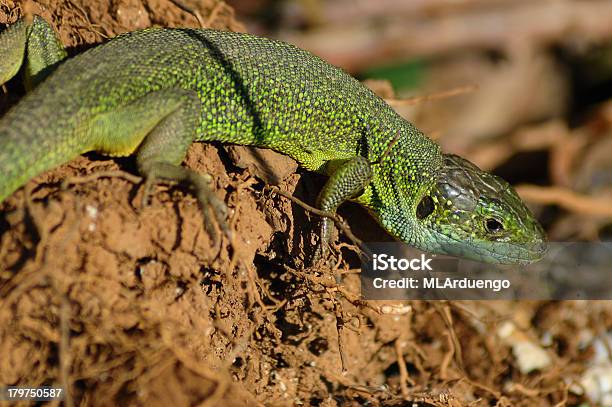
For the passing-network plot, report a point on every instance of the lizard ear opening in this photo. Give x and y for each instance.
(425, 207)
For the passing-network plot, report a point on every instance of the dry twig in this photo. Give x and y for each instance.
(567, 199)
(415, 100)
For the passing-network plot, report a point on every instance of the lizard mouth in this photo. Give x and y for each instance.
(493, 252)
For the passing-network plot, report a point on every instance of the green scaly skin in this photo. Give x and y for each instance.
(153, 92)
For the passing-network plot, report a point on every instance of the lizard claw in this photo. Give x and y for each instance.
(321, 255)
(210, 204)
(147, 191)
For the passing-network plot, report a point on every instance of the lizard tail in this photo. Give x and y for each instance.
(26, 153)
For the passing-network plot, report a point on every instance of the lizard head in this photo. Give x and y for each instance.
(473, 214)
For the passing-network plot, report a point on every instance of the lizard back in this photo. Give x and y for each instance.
(253, 91)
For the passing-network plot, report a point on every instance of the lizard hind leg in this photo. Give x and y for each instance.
(159, 127)
(32, 43)
(164, 148)
(44, 52)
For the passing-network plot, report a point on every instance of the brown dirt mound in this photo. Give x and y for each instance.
(127, 305)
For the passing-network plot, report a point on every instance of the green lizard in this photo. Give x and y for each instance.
(153, 92)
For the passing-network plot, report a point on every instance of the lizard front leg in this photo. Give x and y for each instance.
(32, 44)
(347, 180)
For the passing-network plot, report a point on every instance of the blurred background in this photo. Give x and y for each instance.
(521, 88)
(143, 308)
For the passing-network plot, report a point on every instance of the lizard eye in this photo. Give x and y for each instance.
(425, 207)
(493, 225)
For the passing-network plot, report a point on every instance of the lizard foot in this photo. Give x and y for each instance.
(323, 254)
(200, 185)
